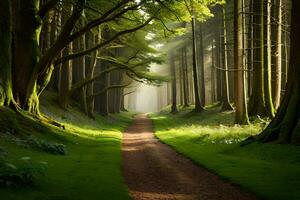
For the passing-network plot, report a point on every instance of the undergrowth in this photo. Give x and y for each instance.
(91, 168)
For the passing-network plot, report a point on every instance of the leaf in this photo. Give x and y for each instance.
(12, 166)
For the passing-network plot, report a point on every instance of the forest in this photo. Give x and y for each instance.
(149, 99)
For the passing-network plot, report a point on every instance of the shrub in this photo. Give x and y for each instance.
(42, 145)
(26, 173)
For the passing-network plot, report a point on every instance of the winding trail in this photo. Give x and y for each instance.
(153, 170)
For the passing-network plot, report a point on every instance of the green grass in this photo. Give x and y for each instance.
(271, 171)
(90, 170)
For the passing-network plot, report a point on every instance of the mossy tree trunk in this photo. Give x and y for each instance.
(285, 127)
(26, 54)
(6, 95)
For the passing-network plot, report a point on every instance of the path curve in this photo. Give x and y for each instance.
(153, 170)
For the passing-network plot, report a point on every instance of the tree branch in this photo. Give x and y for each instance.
(106, 89)
(129, 92)
(87, 51)
(105, 18)
(119, 66)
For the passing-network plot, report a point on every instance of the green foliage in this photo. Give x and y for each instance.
(23, 174)
(45, 146)
(211, 140)
(90, 170)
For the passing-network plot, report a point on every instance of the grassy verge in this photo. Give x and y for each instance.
(90, 170)
(271, 171)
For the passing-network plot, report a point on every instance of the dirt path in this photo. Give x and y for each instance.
(153, 170)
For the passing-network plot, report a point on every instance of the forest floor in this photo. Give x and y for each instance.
(211, 140)
(152, 170)
(90, 170)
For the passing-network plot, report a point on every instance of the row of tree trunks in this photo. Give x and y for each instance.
(285, 127)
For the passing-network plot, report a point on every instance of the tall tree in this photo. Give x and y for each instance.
(213, 72)
(66, 69)
(225, 94)
(185, 77)
(277, 65)
(257, 103)
(267, 59)
(241, 116)
(6, 95)
(201, 66)
(174, 90)
(198, 105)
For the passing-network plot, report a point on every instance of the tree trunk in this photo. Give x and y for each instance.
(218, 65)
(25, 54)
(103, 99)
(185, 78)
(198, 105)
(225, 94)
(241, 116)
(79, 72)
(257, 105)
(181, 80)
(66, 69)
(267, 60)
(277, 55)
(213, 73)
(90, 87)
(174, 91)
(285, 127)
(201, 58)
(53, 84)
(250, 44)
(6, 95)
